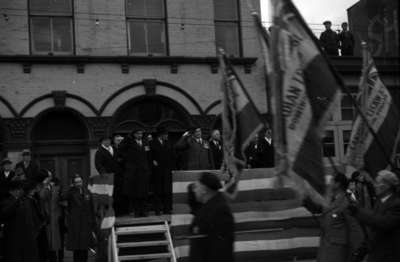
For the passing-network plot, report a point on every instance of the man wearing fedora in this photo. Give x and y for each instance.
(136, 175)
(329, 40)
(29, 167)
(163, 159)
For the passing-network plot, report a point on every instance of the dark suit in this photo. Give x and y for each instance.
(4, 183)
(217, 153)
(265, 154)
(30, 171)
(383, 223)
(198, 155)
(215, 220)
(136, 174)
(260, 154)
(163, 155)
(341, 234)
(104, 162)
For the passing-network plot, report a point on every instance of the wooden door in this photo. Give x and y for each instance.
(66, 167)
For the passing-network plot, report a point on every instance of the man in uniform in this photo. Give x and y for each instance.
(213, 222)
(162, 164)
(136, 175)
(329, 40)
(197, 151)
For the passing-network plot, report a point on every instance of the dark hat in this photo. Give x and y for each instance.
(26, 152)
(342, 180)
(15, 184)
(6, 161)
(161, 130)
(327, 22)
(137, 129)
(104, 138)
(210, 180)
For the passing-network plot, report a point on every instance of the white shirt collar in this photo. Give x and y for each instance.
(109, 149)
(7, 173)
(269, 140)
(384, 199)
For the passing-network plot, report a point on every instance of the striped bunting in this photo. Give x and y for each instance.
(269, 221)
(101, 187)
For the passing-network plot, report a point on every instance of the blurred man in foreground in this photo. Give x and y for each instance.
(383, 221)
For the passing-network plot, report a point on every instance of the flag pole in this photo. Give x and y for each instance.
(279, 131)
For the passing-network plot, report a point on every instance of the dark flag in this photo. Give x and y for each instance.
(309, 90)
(240, 121)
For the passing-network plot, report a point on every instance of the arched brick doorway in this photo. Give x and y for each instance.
(150, 112)
(60, 143)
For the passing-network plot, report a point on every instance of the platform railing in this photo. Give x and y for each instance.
(171, 244)
(113, 250)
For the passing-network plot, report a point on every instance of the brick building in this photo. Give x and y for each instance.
(73, 71)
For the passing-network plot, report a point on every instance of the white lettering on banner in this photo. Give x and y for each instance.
(378, 105)
(296, 107)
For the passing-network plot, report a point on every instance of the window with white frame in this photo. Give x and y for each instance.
(328, 144)
(51, 27)
(338, 130)
(146, 27)
(227, 31)
(347, 109)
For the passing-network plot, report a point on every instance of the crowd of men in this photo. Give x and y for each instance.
(143, 164)
(332, 41)
(37, 210)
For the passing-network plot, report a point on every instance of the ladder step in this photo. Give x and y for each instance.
(140, 230)
(144, 256)
(143, 244)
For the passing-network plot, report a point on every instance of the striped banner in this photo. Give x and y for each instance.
(269, 221)
(101, 187)
(365, 150)
(310, 92)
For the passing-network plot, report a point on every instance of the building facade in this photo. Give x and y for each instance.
(376, 22)
(73, 71)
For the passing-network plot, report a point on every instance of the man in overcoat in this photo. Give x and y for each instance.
(6, 176)
(197, 150)
(136, 152)
(80, 220)
(383, 221)
(213, 223)
(23, 223)
(29, 167)
(163, 159)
